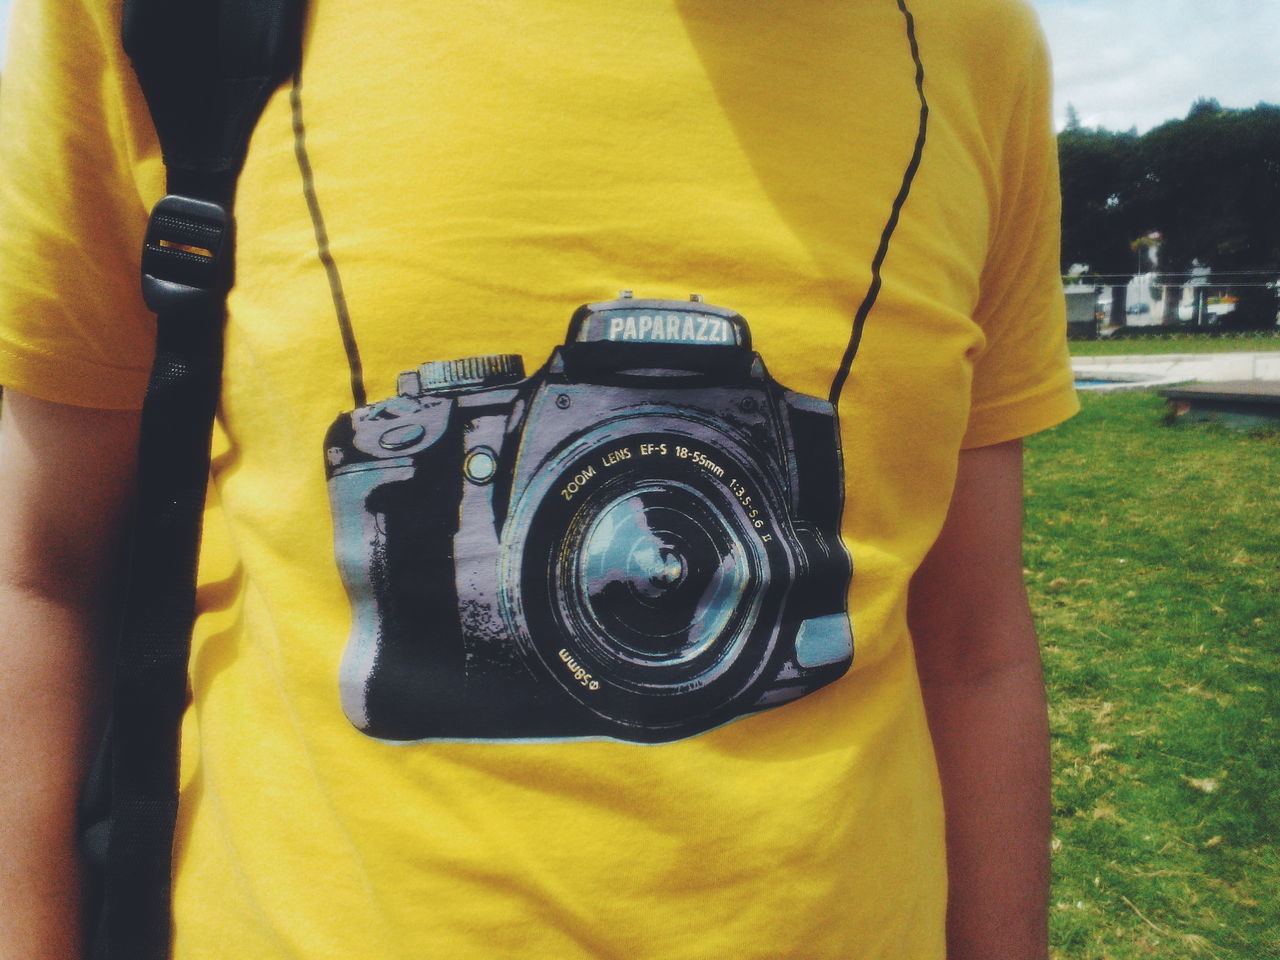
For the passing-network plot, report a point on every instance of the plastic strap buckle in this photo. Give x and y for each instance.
(186, 256)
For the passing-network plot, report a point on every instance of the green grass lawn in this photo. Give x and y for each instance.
(1176, 343)
(1153, 562)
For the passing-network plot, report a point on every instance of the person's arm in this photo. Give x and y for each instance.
(66, 480)
(980, 673)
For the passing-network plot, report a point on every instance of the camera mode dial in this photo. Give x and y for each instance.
(482, 371)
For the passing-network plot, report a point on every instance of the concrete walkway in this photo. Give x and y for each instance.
(1155, 370)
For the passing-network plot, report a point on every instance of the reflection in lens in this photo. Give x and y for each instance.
(661, 577)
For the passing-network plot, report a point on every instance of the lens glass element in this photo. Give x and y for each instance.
(661, 577)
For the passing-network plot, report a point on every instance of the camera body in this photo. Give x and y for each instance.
(639, 541)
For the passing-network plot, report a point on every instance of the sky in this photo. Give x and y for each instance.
(1127, 63)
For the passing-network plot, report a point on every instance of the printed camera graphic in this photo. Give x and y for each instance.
(639, 541)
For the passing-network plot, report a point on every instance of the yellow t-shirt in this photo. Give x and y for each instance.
(482, 169)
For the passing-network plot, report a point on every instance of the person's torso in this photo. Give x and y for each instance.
(395, 748)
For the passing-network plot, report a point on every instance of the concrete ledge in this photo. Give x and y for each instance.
(1265, 392)
(1239, 403)
(1172, 368)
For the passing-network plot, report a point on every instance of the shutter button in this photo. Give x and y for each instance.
(403, 436)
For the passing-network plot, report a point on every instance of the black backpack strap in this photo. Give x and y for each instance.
(207, 68)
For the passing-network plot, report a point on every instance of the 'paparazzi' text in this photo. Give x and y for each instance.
(670, 328)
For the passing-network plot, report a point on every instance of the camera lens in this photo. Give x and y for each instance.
(660, 576)
(647, 572)
(659, 584)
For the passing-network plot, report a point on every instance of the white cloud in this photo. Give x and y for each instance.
(1124, 63)
(4, 30)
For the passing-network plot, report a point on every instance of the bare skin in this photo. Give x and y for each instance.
(65, 490)
(66, 484)
(979, 665)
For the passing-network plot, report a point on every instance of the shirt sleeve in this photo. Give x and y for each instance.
(77, 155)
(1022, 379)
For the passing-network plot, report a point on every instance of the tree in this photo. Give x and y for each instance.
(1209, 184)
(1212, 183)
(1098, 171)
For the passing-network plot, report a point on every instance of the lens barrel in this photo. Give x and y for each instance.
(646, 565)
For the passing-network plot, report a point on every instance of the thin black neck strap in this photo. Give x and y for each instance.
(352, 350)
(338, 295)
(909, 175)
